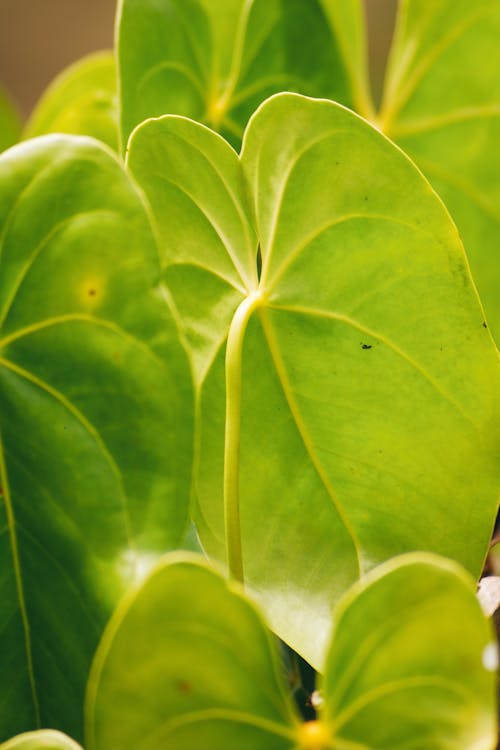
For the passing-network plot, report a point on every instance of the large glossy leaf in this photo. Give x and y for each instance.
(45, 739)
(412, 661)
(82, 101)
(95, 418)
(442, 105)
(370, 386)
(10, 124)
(186, 663)
(216, 60)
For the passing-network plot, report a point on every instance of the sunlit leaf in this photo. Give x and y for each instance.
(186, 663)
(412, 662)
(45, 739)
(217, 60)
(442, 105)
(370, 387)
(81, 100)
(95, 418)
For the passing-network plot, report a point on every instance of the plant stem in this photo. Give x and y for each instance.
(234, 357)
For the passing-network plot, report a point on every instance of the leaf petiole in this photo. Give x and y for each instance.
(234, 354)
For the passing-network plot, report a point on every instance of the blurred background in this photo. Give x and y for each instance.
(38, 38)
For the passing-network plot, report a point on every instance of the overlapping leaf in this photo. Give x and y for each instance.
(217, 60)
(370, 395)
(45, 739)
(82, 101)
(442, 105)
(187, 663)
(95, 418)
(412, 661)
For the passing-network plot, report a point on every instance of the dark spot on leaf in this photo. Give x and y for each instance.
(484, 324)
(1, 491)
(366, 346)
(366, 197)
(91, 292)
(184, 687)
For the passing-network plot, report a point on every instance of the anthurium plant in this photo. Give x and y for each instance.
(249, 392)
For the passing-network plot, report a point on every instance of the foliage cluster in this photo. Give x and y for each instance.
(237, 316)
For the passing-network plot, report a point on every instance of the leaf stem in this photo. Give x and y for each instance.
(234, 362)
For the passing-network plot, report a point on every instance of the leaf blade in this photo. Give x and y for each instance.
(96, 462)
(436, 688)
(80, 101)
(363, 284)
(442, 107)
(221, 59)
(235, 695)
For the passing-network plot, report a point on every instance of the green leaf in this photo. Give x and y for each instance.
(367, 385)
(442, 105)
(45, 739)
(10, 123)
(95, 418)
(186, 662)
(81, 101)
(412, 661)
(216, 60)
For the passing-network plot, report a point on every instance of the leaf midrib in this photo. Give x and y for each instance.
(218, 714)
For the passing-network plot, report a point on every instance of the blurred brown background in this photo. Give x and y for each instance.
(40, 37)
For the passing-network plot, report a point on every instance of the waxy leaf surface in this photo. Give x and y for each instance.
(95, 418)
(82, 100)
(370, 386)
(412, 661)
(217, 60)
(186, 662)
(442, 105)
(45, 739)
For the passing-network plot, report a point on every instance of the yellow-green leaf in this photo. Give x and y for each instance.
(80, 101)
(186, 662)
(442, 105)
(362, 389)
(95, 418)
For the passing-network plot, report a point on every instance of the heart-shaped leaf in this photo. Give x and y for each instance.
(45, 739)
(216, 60)
(10, 124)
(95, 418)
(442, 105)
(82, 101)
(186, 662)
(412, 661)
(362, 388)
